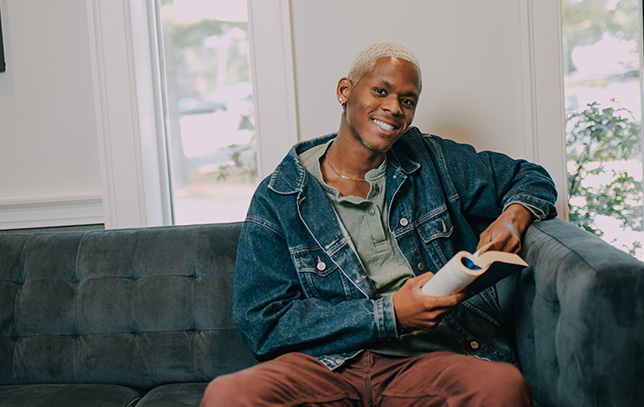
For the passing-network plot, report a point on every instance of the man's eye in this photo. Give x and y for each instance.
(407, 102)
(379, 91)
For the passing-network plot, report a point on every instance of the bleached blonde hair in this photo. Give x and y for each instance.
(366, 59)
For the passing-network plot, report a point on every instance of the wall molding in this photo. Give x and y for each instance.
(28, 213)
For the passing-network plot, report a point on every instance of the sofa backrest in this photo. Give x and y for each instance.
(140, 307)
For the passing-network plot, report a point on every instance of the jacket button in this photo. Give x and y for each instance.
(474, 345)
(321, 266)
(404, 222)
(421, 266)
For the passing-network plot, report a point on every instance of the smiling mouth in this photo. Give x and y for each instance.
(383, 125)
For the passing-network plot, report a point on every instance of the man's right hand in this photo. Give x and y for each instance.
(417, 311)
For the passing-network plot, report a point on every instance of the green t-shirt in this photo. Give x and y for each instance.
(365, 220)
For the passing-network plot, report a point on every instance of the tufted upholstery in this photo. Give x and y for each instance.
(143, 317)
(580, 319)
(138, 308)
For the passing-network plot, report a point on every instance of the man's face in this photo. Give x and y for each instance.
(381, 106)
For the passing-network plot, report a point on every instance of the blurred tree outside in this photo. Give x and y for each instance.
(602, 144)
(199, 49)
(586, 22)
(603, 108)
(209, 108)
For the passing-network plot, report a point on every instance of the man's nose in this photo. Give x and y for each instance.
(392, 105)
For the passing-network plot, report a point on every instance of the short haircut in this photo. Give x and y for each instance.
(366, 59)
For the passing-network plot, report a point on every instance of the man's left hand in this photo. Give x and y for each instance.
(507, 230)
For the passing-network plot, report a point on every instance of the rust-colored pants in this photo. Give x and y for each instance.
(435, 379)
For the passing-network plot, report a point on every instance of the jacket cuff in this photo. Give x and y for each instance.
(539, 211)
(386, 318)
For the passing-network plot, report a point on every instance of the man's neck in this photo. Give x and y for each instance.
(351, 158)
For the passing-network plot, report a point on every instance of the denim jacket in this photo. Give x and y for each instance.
(300, 286)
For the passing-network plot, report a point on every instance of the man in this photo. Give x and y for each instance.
(336, 247)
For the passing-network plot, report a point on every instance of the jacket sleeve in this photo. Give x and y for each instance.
(488, 182)
(274, 316)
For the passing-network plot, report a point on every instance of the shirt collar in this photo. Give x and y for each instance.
(290, 175)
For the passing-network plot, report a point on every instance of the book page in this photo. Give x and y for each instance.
(485, 248)
(485, 259)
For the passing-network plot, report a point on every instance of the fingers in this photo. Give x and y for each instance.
(505, 238)
(419, 282)
(511, 245)
(417, 311)
(440, 306)
(446, 301)
(508, 229)
(504, 241)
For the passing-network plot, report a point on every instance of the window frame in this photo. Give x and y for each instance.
(130, 124)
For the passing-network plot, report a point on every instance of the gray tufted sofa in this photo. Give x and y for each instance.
(580, 319)
(117, 318)
(143, 317)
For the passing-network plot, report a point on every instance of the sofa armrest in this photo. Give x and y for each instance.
(579, 312)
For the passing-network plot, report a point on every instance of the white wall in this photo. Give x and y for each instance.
(491, 69)
(78, 117)
(471, 54)
(49, 171)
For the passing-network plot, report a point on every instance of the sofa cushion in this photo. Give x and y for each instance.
(174, 395)
(68, 395)
(137, 307)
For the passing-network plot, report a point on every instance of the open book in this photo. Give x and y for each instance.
(475, 271)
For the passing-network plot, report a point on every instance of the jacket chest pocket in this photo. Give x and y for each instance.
(320, 277)
(434, 233)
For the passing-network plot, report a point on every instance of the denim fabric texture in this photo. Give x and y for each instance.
(300, 285)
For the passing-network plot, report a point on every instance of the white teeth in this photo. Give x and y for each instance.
(383, 125)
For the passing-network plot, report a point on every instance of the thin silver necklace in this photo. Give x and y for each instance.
(340, 175)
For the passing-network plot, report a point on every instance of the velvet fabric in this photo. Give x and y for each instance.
(143, 317)
(174, 395)
(580, 319)
(137, 308)
(69, 395)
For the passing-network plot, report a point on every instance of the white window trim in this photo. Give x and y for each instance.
(545, 109)
(133, 170)
(133, 156)
(274, 84)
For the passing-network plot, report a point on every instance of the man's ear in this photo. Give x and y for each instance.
(344, 89)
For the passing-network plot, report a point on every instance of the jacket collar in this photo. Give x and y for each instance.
(289, 176)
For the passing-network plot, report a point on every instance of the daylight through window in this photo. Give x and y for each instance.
(209, 109)
(602, 45)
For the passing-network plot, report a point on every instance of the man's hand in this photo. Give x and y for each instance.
(507, 230)
(417, 311)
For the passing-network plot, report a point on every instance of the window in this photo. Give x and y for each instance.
(602, 54)
(209, 109)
